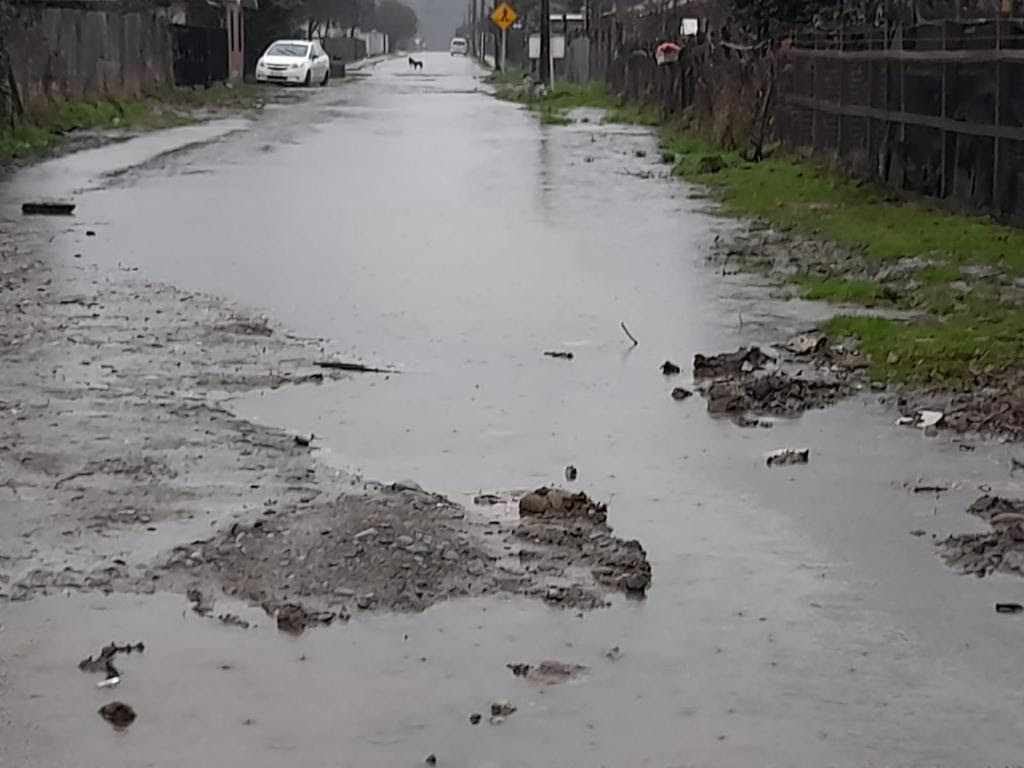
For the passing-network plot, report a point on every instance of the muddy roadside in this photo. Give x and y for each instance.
(81, 125)
(887, 322)
(123, 471)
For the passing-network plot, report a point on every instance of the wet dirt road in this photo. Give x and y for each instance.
(413, 221)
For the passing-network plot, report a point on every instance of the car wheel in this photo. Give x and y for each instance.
(327, 76)
(309, 78)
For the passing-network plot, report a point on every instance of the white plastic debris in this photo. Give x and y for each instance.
(110, 682)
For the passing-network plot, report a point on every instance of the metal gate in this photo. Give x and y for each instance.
(200, 55)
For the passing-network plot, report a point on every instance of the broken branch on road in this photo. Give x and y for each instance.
(339, 365)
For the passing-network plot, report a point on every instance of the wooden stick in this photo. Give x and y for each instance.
(630, 335)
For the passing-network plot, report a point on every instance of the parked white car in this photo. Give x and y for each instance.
(302, 62)
(458, 46)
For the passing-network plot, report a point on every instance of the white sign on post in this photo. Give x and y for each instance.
(557, 46)
(689, 27)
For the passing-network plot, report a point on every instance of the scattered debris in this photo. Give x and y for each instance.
(233, 621)
(294, 619)
(47, 209)
(921, 419)
(502, 708)
(729, 364)
(570, 473)
(785, 456)
(118, 714)
(776, 393)
(560, 355)
(573, 526)
(1001, 549)
(679, 393)
(487, 499)
(338, 365)
(104, 661)
(930, 486)
(549, 672)
(554, 502)
(110, 682)
(304, 441)
(90, 233)
(669, 368)
(1009, 608)
(805, 343)
(475, 718)
(201, 603)
(614, 653)
(919, 532)
(629, 335)
(430, 759)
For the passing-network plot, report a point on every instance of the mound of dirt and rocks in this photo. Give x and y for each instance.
(1001, 549)
(802, 376)
(120, 446)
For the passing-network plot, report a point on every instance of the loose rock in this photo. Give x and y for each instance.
(785, 456)
(669, 368)
(118, 714)
(548, 672)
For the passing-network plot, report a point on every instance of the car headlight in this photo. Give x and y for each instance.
(295, 66)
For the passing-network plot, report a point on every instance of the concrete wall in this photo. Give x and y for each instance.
(72, 50)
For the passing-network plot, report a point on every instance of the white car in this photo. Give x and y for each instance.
(458, 46)
(303, 62)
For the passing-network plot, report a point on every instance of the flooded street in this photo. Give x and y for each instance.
(412, 222)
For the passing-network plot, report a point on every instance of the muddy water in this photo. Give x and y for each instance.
(412, 221)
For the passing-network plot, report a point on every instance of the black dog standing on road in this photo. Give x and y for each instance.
(415, 64)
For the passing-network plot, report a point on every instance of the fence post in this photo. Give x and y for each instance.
(996, 202)
(944, 96)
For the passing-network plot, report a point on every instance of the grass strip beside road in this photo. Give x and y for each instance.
(160, 109)
(960, 278)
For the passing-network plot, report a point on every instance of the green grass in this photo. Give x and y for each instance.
(841, 290)
(160, 109)
(508, 77)
(956, 350)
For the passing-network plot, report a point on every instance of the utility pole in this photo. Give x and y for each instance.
(472, 27)
(480, 34)
(545, 43)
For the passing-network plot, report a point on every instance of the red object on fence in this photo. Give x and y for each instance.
(667, 53)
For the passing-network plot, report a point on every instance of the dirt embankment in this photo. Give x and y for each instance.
(123, 471)
(907, 336)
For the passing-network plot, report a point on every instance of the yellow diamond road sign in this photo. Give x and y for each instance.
(504, 16)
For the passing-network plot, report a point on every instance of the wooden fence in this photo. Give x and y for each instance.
(936, 108)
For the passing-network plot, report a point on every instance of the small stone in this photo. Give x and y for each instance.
(365, 602)
(571, 473)
(502, 708)
(404, 541)
(892, 358)
(431, 760)
(475, 718)
(680, 393)
(118, 714)
(365, 534)
(669, 368)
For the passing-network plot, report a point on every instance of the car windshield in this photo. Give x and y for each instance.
(288, 49)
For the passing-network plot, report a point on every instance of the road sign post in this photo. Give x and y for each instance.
(503, 16)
